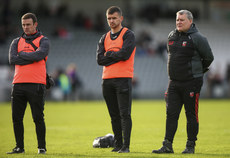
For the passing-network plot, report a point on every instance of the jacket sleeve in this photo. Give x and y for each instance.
(14, 58)
(169, 36)
(126, 50)
(39, 54)
(101, 58)
(205, 51)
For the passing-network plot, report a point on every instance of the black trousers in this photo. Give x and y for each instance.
(178, 94)
(34, 94)
(117, 93)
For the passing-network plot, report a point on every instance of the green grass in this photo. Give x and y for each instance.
(72, 127)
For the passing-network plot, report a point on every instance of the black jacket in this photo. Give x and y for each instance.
(24, 58)
(114, 57)
(189, 54)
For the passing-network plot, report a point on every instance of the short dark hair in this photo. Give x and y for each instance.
(30, 16)
(114, 9)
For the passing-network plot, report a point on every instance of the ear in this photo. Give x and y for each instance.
(122, 18)
(36, 24)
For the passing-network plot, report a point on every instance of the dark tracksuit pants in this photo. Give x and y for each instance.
(117, 94)
(178, 94)
(35, 95)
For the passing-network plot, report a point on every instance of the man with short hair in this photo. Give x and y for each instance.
(115, 52)
(29, 54)
(189, 56)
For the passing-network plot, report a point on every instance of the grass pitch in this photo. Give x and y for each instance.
(72, 127)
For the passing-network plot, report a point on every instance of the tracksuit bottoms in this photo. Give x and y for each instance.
(117, 93)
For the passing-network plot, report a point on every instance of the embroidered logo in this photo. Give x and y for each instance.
(184, 43)
(191, 94)
(171, 42)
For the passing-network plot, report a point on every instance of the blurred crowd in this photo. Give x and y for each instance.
(153, 12)
(68, 82)
(8, 25)
(218, 85)
(148, 45)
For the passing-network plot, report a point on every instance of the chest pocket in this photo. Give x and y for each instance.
(181, 47)
(186, 46)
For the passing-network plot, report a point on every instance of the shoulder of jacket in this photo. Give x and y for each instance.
(44, 38)
(171, 33)
(104, 35)
(129, 33)
(102, 39)
(16, 40)
(197, 37)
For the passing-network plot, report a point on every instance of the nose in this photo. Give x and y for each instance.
(179, 23)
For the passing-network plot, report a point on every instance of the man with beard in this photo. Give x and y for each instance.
(115, 52)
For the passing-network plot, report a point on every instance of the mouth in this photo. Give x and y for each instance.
(112, 25)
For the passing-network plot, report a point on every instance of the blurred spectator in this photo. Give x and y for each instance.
(135, 83)
(61, 32)
(88, 23)
(25, 8)
(99, 24)
(62, 87)
(228, 78)
(78, 20)
(82, 21)
(42, 9)
(62, 10)
(162, 49)
(75, 81)
(150, 12)
(64, 84)
(2, 34)
(146, 43)
(214, 81)
(143, 41)
(4, 21)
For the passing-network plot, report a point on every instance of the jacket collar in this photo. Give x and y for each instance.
(34, 36)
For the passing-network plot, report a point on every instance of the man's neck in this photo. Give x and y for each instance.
(116, 29)
(32, 33)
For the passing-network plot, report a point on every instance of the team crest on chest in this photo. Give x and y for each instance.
(184, 43)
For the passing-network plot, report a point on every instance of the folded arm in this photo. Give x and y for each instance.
(38, 54)
(14, 58)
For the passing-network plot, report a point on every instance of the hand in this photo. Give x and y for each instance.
(108, 53)
(19, 53)
(49, 81)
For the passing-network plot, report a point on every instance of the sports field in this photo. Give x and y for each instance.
(72, 127)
